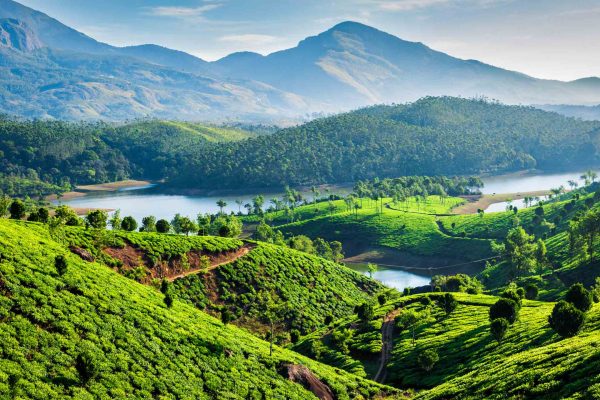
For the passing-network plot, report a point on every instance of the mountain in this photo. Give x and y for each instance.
(587, 113)
(54, 71)
(353, 64)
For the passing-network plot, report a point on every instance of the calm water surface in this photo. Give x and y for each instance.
(393, 277)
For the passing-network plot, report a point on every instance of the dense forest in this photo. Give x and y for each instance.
(433, 136)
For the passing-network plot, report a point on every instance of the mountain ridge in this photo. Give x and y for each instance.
(348, 66)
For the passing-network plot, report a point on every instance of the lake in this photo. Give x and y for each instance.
(527, 182)
(393, 277)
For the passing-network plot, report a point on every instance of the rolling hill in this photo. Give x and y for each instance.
(90, 332)
(54, 71)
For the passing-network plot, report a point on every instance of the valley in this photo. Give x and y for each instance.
(278, 200)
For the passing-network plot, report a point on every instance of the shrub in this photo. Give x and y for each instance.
(60, 263)
(566, 319)
(43, 215)
(17, 209)
(521, 292)
(427, 359)
(504, 308)
(531, 292)
(365, 312)
(294, 335)
(88, 366)
(329, 318)
(448, 303)
(169, 299)
(580, 297)
(498, 328)
(513, 295)
(381, 298)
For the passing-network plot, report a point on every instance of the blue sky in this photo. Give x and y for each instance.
(552, 39)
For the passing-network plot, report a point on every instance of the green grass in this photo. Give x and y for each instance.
(412, 232)
(209, 132)
(141, 348)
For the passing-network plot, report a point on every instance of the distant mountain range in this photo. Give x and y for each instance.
(49, 70)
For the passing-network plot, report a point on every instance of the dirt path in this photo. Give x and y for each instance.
(226, 259)
(387, 338)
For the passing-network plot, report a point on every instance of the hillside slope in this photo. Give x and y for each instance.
(531, 362)
(432, 136)
(91, 332)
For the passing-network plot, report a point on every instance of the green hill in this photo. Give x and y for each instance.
(233, 279)
(91, 332)
(530, 362)
(432, 136)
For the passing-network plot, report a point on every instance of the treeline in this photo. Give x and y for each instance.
(407, 186)
(433, 136)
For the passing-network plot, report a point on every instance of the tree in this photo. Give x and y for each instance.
(513, 295)
(4, 204)
(301, 243)
(521, 249)
(60, 263)
(168, 299)
(531, 292)
(448, 303)
(17, 209)
(504, 308)
(322, 248)
(340, 338)
(566, 319)
(182, 224)
(589, 228)
(498, 328)
(427, 359)
(257, 204)
(163, 226)
(221, 204)
(336, 251)
(43, 215)
(203, 221)
(411, 319)
(149, 224)
(226, 226)
(129, 224)
(97, 219)
(371, 268)
(579, 296)
(381, 298)
(115, 220)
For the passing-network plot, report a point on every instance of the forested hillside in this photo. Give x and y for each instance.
(433, 136)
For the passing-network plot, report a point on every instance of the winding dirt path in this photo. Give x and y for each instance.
(387, 336)
(225, 259)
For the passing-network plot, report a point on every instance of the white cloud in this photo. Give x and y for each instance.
(183, 12)
(249, 39)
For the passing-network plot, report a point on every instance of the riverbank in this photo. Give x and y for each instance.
(482, 202)
(84, 190)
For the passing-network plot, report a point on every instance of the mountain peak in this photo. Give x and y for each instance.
(17, 35)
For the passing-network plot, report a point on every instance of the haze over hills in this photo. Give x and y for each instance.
(52, 71)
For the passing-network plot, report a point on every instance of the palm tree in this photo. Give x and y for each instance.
(592, 175)
(221, 204)
(239, 203)
(573, 184)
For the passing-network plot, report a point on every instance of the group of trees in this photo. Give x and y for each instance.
(505, 311)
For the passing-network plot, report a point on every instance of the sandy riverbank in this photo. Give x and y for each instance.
(83, 190)
(484, 201)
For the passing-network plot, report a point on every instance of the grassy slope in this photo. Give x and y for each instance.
(531, 362)
(209, 132)
(309, 287)
(411, 231)
(144, 349)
